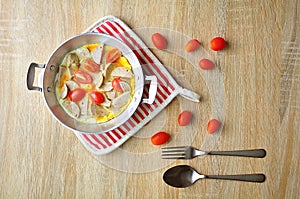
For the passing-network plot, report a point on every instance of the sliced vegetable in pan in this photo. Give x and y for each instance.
(94, 83)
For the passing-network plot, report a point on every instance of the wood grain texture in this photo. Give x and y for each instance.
(261, 66)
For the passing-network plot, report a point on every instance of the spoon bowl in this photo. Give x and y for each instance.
(182, 176)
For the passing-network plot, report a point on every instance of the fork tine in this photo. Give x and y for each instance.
(173, 156)
(168, 153)
(173, 151)
(173, 147)
(177, 152)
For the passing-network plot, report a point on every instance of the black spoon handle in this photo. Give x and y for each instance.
(243, 177)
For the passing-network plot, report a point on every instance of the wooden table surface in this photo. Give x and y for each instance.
(261, 68)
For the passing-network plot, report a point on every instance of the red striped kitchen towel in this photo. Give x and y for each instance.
(104, 143)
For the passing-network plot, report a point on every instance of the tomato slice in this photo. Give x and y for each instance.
(82, 77)
(97, 97)
(91, 66)
(113, 55)
(160, 138)
(77, 94)
(116, 84)
(184, 118)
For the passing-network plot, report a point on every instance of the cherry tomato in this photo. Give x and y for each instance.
(159, 41)
(91, 66)
(82, 77)
(217, 43)
(160, 138)
(77, 94)
(113, 55)
(192, 45)
(116, 84)
(97, 97)
(206, 64)
(184, 118)
(212, 126)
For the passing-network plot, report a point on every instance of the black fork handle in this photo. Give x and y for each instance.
(255, 153)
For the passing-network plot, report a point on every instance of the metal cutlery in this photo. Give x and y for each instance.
(189, 152)
(183, 176)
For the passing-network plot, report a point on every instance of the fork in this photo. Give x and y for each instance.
(189, 152)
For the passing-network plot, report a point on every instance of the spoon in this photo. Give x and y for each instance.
(184, 176)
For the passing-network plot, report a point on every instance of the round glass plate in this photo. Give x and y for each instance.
(138, 155)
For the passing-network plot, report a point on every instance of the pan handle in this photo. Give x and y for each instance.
(152, 89)
(31, 75)
(190, 95)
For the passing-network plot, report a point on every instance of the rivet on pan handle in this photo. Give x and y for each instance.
(31, 75)
(152, 89)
